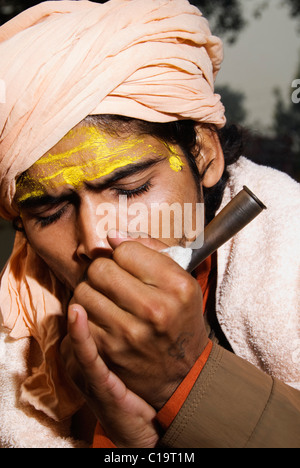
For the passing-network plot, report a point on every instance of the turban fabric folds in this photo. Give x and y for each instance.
(60, 61)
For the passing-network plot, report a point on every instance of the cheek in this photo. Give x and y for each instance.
(56, 247)
(175, 187)
(161, 215)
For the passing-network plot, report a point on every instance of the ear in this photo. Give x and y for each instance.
(18, 224)
(211, 160)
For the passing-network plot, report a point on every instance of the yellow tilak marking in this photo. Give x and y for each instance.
(97, 142)
(176, 163)
(36, 194)
(105, 160)
(77, 175)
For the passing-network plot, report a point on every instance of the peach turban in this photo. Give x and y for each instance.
(154, 60)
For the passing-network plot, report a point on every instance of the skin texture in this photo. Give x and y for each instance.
(135, 320)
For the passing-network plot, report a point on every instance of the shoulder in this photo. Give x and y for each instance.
(263, 177)
(273, 237)
(258, 270)
(278, 191)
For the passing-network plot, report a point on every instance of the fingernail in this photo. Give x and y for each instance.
(72, 315)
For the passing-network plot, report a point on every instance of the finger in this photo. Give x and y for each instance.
(145, 263)
(124, 290)
(101, 382)
(103, 312)
(82, 342)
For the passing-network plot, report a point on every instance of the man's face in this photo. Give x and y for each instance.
(91, 182)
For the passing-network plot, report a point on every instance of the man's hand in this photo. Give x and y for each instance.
(145, 316)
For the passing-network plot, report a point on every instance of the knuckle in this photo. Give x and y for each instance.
(133, 336)
(123, 252)
(111, 349)
(99, 267)
(157, 314)
(80, 292)
(186, 289)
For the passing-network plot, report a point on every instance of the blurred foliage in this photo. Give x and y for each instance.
(281, 149)
(275, 151)
(294, 6)
(287, 122)
(234, 102)
(225, 16)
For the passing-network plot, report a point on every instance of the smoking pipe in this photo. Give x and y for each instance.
(239, 212)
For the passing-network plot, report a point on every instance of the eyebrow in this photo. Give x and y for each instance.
(127, 171)
(36, 201)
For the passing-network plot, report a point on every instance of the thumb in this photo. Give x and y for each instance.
(100, 383)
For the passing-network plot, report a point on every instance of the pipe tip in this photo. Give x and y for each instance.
(260, 203)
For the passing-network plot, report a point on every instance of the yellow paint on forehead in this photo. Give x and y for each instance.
(176, 163)
(109, 156)
(96, 142)
(87, 172)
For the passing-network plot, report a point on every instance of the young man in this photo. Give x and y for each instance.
(112, 103)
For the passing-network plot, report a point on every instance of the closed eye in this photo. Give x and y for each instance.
(45, 221)
(135, 192)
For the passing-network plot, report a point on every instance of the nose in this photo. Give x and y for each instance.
(90, 245)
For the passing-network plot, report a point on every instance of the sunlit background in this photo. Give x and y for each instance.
(262, 59)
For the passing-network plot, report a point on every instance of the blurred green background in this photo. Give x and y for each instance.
(262, 58)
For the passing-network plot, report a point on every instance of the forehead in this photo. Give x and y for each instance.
(91, 146)
(88, 153)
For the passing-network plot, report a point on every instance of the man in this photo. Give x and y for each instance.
(118, 101)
